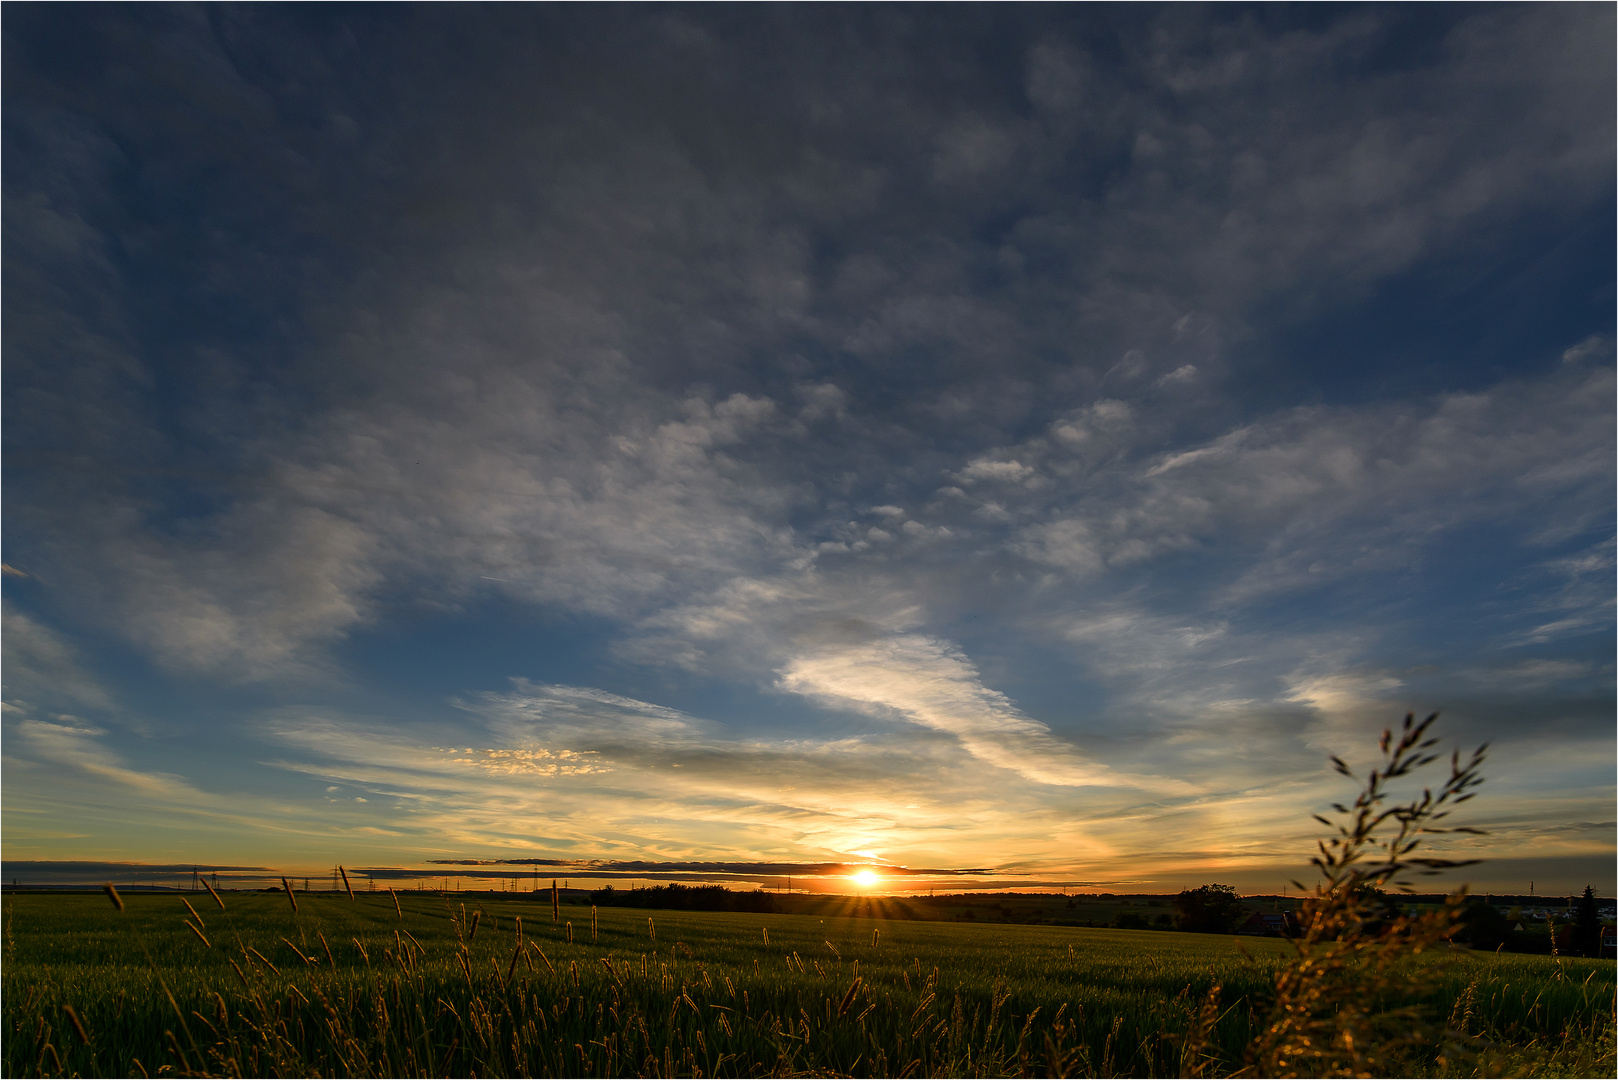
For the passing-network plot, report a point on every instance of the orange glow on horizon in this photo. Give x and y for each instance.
(865, 878)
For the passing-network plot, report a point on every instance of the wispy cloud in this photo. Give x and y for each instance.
(43, 666)
(658, 781)
(66, 741)
(930, 683)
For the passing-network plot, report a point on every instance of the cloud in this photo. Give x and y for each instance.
(1594, 346)
(42, 666)
(621, 775)
(1002, 472)
(1335, 491)
(1101, 422)
(1580, 595)
(67, 742)
(894, 384)
(636, 868)
(930, 683)
(514, 410)
(663, 785)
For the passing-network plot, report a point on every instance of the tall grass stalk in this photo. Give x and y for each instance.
(1347, 1003)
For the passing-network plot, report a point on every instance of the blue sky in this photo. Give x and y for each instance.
(1025, 439)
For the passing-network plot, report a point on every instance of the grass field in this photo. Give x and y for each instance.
(347, 987)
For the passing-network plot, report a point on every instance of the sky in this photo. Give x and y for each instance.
(1012, 446)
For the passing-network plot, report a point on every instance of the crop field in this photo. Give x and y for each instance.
(456, 986)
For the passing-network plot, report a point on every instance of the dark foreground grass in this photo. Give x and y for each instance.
(348, 988)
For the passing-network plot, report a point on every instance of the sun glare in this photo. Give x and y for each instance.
(865, 878)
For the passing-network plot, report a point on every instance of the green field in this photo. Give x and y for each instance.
(347, 988)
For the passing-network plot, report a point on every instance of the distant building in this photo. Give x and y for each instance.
(1267, 924)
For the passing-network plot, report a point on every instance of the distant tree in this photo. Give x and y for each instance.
(1482, 925)
(1381, 913)
(1130, 920)
(1587, 925)
(1210, 909)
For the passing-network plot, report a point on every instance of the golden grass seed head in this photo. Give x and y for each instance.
(78, 1025)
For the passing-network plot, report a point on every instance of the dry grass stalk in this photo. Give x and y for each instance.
(213, 894)
(449, 1056)
(264, 960)
(848, 998)
(195, 930)
(78, 1025)
(193, 912)
(556, 903)
(1197, 1057)
(346, 885)
(307, 960)
(1325, 1019)
(112, 894)
(293, 900)
(396, 910)
(516, 952)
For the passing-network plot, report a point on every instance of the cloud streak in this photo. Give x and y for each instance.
(929, 683)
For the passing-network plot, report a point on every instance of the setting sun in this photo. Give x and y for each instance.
(865, 878)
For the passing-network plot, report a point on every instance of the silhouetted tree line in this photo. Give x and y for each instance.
(1485, 927)
(679, 897)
